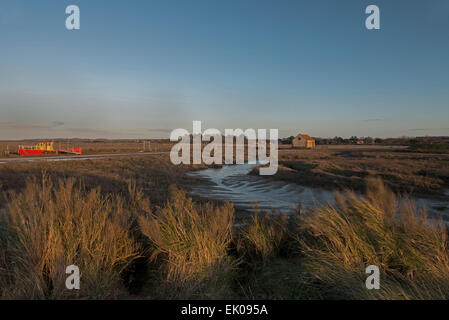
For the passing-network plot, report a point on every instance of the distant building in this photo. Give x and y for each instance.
(303, 141)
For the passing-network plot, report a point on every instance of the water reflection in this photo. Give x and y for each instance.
(234, 183)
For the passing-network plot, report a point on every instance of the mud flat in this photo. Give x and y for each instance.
(235, 184)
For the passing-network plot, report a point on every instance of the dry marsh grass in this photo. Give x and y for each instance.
(263, 237)
(53, 225)
(153, 174)
(97, 214)
(340, 242)
(348, 168)
(190, 243)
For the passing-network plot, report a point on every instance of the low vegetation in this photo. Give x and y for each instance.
(153, 174)
(50, 226)
(263, 237)
(179, 248)
(339, 242)
(403, 171)
(430, 147)
(189, 243)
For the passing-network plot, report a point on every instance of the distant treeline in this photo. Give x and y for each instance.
(404, 141)
(441, 147)
(443, 142)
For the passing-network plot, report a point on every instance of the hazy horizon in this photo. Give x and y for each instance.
(138, 69)
(143, 138)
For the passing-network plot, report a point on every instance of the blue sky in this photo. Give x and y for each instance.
(138, 69)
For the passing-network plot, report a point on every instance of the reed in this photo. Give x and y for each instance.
(340, 241)
(190, 244)
(53, 225)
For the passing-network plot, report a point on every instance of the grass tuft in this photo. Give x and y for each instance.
(53, 225)
(340, 241)
(190, 243)
(263, 237)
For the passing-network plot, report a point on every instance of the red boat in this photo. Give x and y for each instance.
(30, 152)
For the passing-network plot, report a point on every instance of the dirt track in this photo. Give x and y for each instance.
(77, 157)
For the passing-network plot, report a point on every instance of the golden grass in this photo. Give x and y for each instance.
(191, 241)
(153, 174)
(340, 242)
(51, 226)
(263, 237)
(348, 168)
(192, 250)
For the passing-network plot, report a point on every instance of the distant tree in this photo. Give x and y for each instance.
(378, 140)
(288, 140)
(369, 140)
(322, 141)
(338, 140)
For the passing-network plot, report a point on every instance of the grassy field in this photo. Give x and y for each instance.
(153, 174)
(339, 167)
(100, 146)
(430, 148)
(134, 232)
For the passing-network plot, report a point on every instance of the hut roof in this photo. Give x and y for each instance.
(305, 136)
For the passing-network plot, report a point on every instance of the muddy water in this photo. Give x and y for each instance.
(234, 183)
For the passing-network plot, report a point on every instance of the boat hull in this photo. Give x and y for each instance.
(26, 152)
(31, 152)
